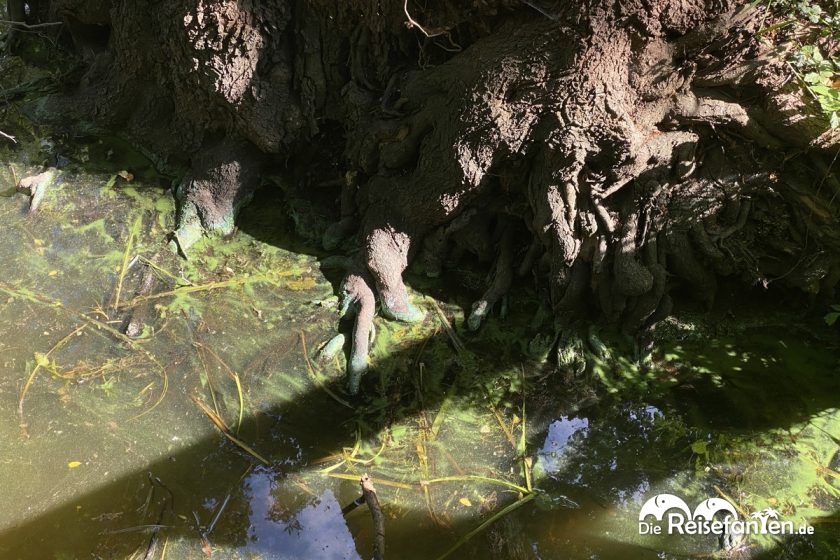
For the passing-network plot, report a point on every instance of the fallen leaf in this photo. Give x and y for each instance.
(74, 464)
(126, 175)
(465, 502)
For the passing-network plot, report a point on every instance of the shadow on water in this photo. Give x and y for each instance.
(608, 457)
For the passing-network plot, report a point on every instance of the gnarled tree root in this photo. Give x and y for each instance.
(223, 177)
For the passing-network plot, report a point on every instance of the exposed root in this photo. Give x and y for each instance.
(347, 224)
(436, 243)
(500, 284)
(535, 250)
(632, 278)
(36, 187)
(387, 258)
(223, 178)
(358, 299)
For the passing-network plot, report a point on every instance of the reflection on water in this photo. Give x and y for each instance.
(318, 530)
(560, 432)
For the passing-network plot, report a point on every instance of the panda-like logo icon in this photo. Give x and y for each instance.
(661, 503)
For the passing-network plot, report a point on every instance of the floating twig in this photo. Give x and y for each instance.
(503, 426)
(447, 326)
(209, 286)
(8, 137)
(729, 499)
(220, 424)
(379, 481)
(233, 375)
(522, 449)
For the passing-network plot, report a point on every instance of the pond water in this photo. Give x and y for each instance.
(109, 449)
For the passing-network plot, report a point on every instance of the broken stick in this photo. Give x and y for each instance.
(369, 494)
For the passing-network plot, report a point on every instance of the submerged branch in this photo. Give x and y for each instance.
(369, 493)
(220, 424)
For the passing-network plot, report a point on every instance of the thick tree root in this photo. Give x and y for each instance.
(387, 258)
(223, 178)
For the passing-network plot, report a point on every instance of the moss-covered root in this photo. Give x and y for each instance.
(223, 178)
(357, 297)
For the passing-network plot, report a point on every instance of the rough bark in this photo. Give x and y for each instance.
(611, 150)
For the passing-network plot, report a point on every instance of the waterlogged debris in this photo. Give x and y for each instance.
(371, 499)
(232, 374)
(74, 464)
(552, 501)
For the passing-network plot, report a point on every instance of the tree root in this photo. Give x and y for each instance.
(342, 229)
(500, 284)
(36, 187)
(223, 178)
(358, 299)
(386, 259)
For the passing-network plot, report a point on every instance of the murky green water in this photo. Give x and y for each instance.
(109, 454)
